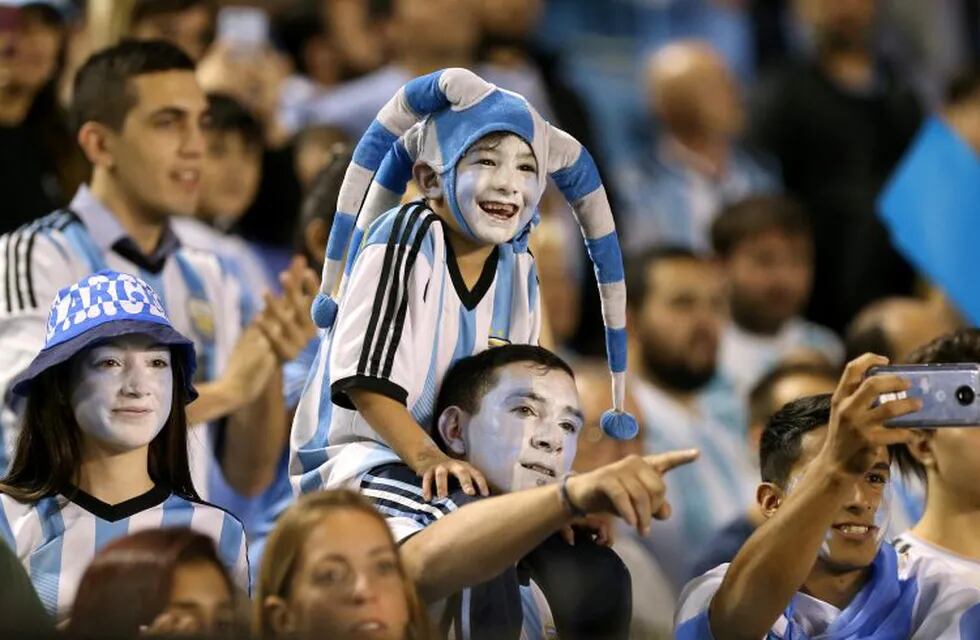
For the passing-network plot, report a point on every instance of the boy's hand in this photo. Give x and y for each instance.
(856, 430)
(439, 470)
(600, 525)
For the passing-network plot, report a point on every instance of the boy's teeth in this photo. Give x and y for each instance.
(853, 528)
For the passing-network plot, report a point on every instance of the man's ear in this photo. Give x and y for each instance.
(920, 447)
(95, 139)
(428, 181)
(280, 618)
(769, 497)
(450, 426)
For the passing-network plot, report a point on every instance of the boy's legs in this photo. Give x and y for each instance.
(488, 611)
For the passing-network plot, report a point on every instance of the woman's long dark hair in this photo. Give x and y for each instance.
(48, 454)
(129, 582)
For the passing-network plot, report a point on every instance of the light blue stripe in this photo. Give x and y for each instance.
(970, 622)
(616, 349)
(578, 180)
(156, 283)
(424, 95)
(503, 298)
(396, 169)
(195, 285)
(606, 257)
(6, 532)
(45, 563)
(466, 337)
(83, 245)
(354, 249)
(230, 541)
(106, 532)
(371, 150)
(340, 231)
(696, 628)
(532, 288)
(424, 407)
(177, 512)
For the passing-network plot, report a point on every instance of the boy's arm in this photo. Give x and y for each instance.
(392, 421)
(776, 560)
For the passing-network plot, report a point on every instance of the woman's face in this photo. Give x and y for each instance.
(347, 584)
(121, 391)
(200, 600)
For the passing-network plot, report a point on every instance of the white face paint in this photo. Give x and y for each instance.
(121, 392)
(497, 187)
(526, 430)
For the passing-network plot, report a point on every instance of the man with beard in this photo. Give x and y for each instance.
(838, 122)
(676, 314)
(766, 247)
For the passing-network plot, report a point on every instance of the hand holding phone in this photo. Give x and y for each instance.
(948, 393)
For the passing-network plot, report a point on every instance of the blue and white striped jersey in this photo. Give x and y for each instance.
(665, 202)
(705, 495)
(405, 317)
(905, 597)
(56, 538)
(203, 302)
(746, 357)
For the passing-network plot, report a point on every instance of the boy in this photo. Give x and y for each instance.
(440, 279)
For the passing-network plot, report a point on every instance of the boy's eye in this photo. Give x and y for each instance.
(486, 162)
(524, 411)
(528, 167)
(569, 427)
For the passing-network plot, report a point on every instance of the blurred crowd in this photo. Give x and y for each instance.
(743, 145)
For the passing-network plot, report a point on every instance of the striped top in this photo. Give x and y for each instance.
(56, 538)
(406, 318)
(203, 302)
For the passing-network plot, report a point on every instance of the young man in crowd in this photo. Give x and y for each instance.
(948, 460)
(766, 248)
(676, 314)
(140, 116)
(514, 412)
(673, 191)
(818, 567)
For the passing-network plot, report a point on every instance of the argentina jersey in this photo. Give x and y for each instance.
(406, 316)
(56, 538)
(203, 302)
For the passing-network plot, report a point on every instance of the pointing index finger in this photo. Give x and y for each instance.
(664, 462)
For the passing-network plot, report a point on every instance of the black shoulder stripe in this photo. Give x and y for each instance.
(29, 271)
(396, 332)
(17, 267)
(396, 291)
(379, 293)
(8, 272)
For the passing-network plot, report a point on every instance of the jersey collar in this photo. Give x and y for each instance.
(116, 512)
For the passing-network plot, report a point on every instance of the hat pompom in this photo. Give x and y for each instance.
(324, 311)
(619, 425)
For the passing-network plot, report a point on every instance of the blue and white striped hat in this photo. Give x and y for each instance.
(434, 119)
(100, 306)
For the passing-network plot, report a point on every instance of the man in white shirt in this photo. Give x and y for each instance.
(948, 460)
(676, 312)
(818, 567)
(766, 247)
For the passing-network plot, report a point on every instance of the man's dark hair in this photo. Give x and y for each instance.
(469, 379)
(638, 267)
(102, 91)
(870, 338)
(781, 443)
(227, 115)
(963, 87)
(959, 346)
(755, 215)
(144, 9)
(760, 398)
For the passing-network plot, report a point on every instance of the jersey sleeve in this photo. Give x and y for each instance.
(33, 268)
(691, 616)
(374, 337)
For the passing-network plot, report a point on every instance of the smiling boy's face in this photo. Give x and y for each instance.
(497, 187)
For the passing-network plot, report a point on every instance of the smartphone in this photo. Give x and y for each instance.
(949, 394)
(245, 28)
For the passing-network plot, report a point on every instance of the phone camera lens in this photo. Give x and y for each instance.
(965, 395)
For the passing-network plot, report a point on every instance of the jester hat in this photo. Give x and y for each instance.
(434, 119)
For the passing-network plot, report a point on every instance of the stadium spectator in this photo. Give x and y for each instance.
(838, 122)
(188, 24)
(945, 458)
(785, 383)
(819, 567)
(676, 315)
(40, 164)
(158, 582)
(766, 248)
(139, 114)
(104, 442)
(672, 193)
(895, 327)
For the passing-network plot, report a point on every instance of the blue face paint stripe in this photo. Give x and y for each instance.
(580, 179)
(607, 258)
